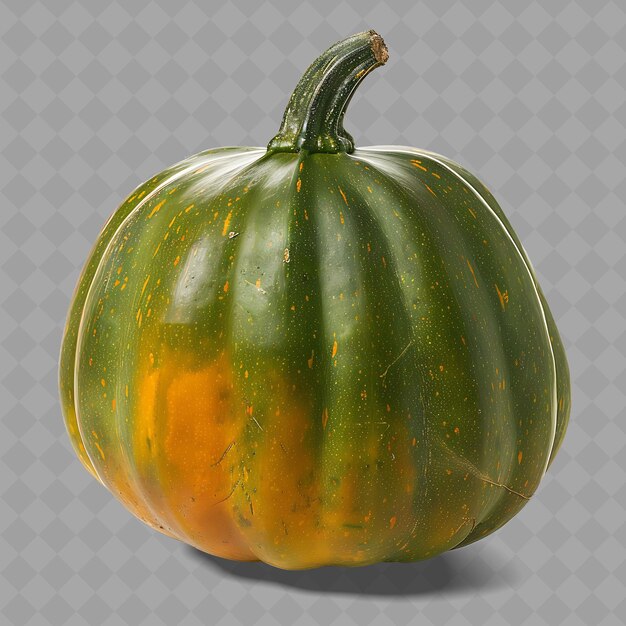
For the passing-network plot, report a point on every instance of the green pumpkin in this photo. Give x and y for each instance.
(313, 354)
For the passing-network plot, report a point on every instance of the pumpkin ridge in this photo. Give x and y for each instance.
(486, 526)
(257, 329)
(103, 242)
(230, 184)
(123, 471)
(385, 241)
(508, 230)
(480, 396)
(304, 288)
(380, 307)
(450, 224)
(70, 334)
(562, 368)
(531, 272)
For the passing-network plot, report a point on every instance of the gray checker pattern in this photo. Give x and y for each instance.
(97, 96)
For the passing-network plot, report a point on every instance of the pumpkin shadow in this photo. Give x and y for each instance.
(457, 571)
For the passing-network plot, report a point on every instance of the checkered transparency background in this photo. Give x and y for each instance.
(97, 96)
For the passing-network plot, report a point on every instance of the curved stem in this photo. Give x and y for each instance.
(313, 119)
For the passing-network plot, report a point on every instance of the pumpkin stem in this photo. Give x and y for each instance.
(313, 119)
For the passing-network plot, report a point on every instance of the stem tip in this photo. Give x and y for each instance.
(379, 48)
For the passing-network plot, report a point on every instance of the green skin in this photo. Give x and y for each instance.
(381, 292)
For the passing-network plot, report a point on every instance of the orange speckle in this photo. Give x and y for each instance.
(418, 164)
(413, 441)
(245, 374)
(258, 283)
(519, 457)
(126, 391)
(226, 223)
(226, 287)
(503, 297)
(156, 208)
(301, 166)
(392, 521)
(341, 217)
(116, 283)
(429, 189)
(145, 284)
(310, 360)
(103, 382)
(151, 358)
(441, 368)
(435, 175)
(472, 212)
(456, 430)
(343, 195)
(189, 208)
(298, 184)
(334, 350)
(99, 449)
(472, 271)
(113, 404)
(324, 418)
(176, 260)
(448, 472)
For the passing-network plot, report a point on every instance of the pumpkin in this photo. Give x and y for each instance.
(313, 354)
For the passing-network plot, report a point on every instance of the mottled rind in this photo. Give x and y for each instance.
(314, 359)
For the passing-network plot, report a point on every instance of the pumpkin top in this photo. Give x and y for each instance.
(313, 119)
